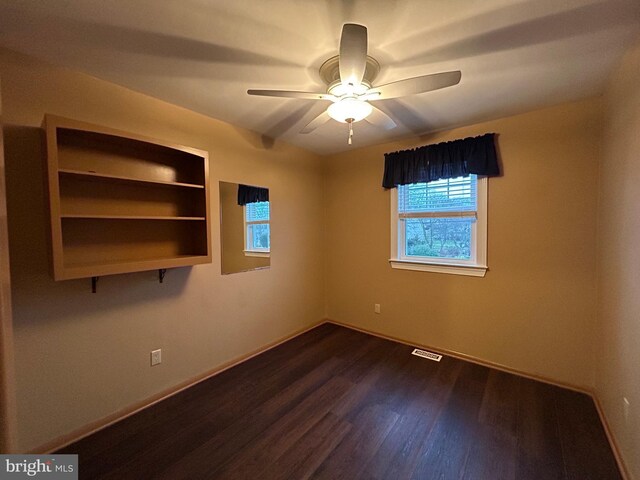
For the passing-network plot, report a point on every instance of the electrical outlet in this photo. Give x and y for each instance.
(625, 408)
(156, 357)
(376, 308)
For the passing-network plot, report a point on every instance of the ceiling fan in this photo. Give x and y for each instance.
(349, 78)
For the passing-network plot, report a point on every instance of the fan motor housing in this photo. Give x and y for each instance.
(330, 71)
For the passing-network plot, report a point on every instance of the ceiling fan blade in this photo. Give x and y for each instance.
(353, 54)
(316, 122)
(412, 86)
(293, 94)
(380, 119)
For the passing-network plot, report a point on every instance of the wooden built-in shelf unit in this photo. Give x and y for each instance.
(120, 202)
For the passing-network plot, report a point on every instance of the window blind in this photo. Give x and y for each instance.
(448, 195)
(257, 212)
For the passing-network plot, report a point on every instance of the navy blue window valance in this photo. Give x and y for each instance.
(250, 194)
(458, 158)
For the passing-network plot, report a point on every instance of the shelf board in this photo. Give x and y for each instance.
(121, 178)
(73, 270)
(129, 217)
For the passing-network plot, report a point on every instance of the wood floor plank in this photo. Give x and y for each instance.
(224, 442)
(493, 455)
(539, 453)
(447, 447)
(337, 403)
(305, 456)
(285, 432)
(367, 353)
(384, 391)
(349, 458)
(251, 420)
(400, 452)
(583, 437)
(499, 411)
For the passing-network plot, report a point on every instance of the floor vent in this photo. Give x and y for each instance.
(424, 354)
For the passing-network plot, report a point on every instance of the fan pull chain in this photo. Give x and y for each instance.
(350, 132)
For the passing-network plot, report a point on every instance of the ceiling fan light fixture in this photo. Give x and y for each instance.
(349, 77)
(349, 110)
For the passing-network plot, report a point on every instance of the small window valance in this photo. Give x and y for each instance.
(458, 158)
(250, 194)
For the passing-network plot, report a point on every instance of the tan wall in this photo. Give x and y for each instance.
(232, 233)
(535, 309)
(80, 356)
(618, 368)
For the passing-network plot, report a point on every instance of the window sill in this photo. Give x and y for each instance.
(250, 253)
(454, 269)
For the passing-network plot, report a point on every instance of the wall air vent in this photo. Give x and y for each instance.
(424, 354)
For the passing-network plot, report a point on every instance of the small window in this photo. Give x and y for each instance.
(440, 226)
(257, 232)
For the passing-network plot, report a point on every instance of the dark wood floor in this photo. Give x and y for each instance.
(338, 404)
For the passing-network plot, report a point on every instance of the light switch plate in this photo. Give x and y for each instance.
(156, 357)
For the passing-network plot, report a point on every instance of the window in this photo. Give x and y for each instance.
(257, 234)
(440, 226)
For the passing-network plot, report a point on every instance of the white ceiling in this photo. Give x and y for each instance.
(204, 54)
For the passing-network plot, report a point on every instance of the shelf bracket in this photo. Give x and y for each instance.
(161, 274)
(94, 284)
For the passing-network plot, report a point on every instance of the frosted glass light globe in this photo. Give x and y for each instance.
(349, 108)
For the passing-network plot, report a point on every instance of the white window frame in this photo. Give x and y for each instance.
(475, 267)
(250, 250)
